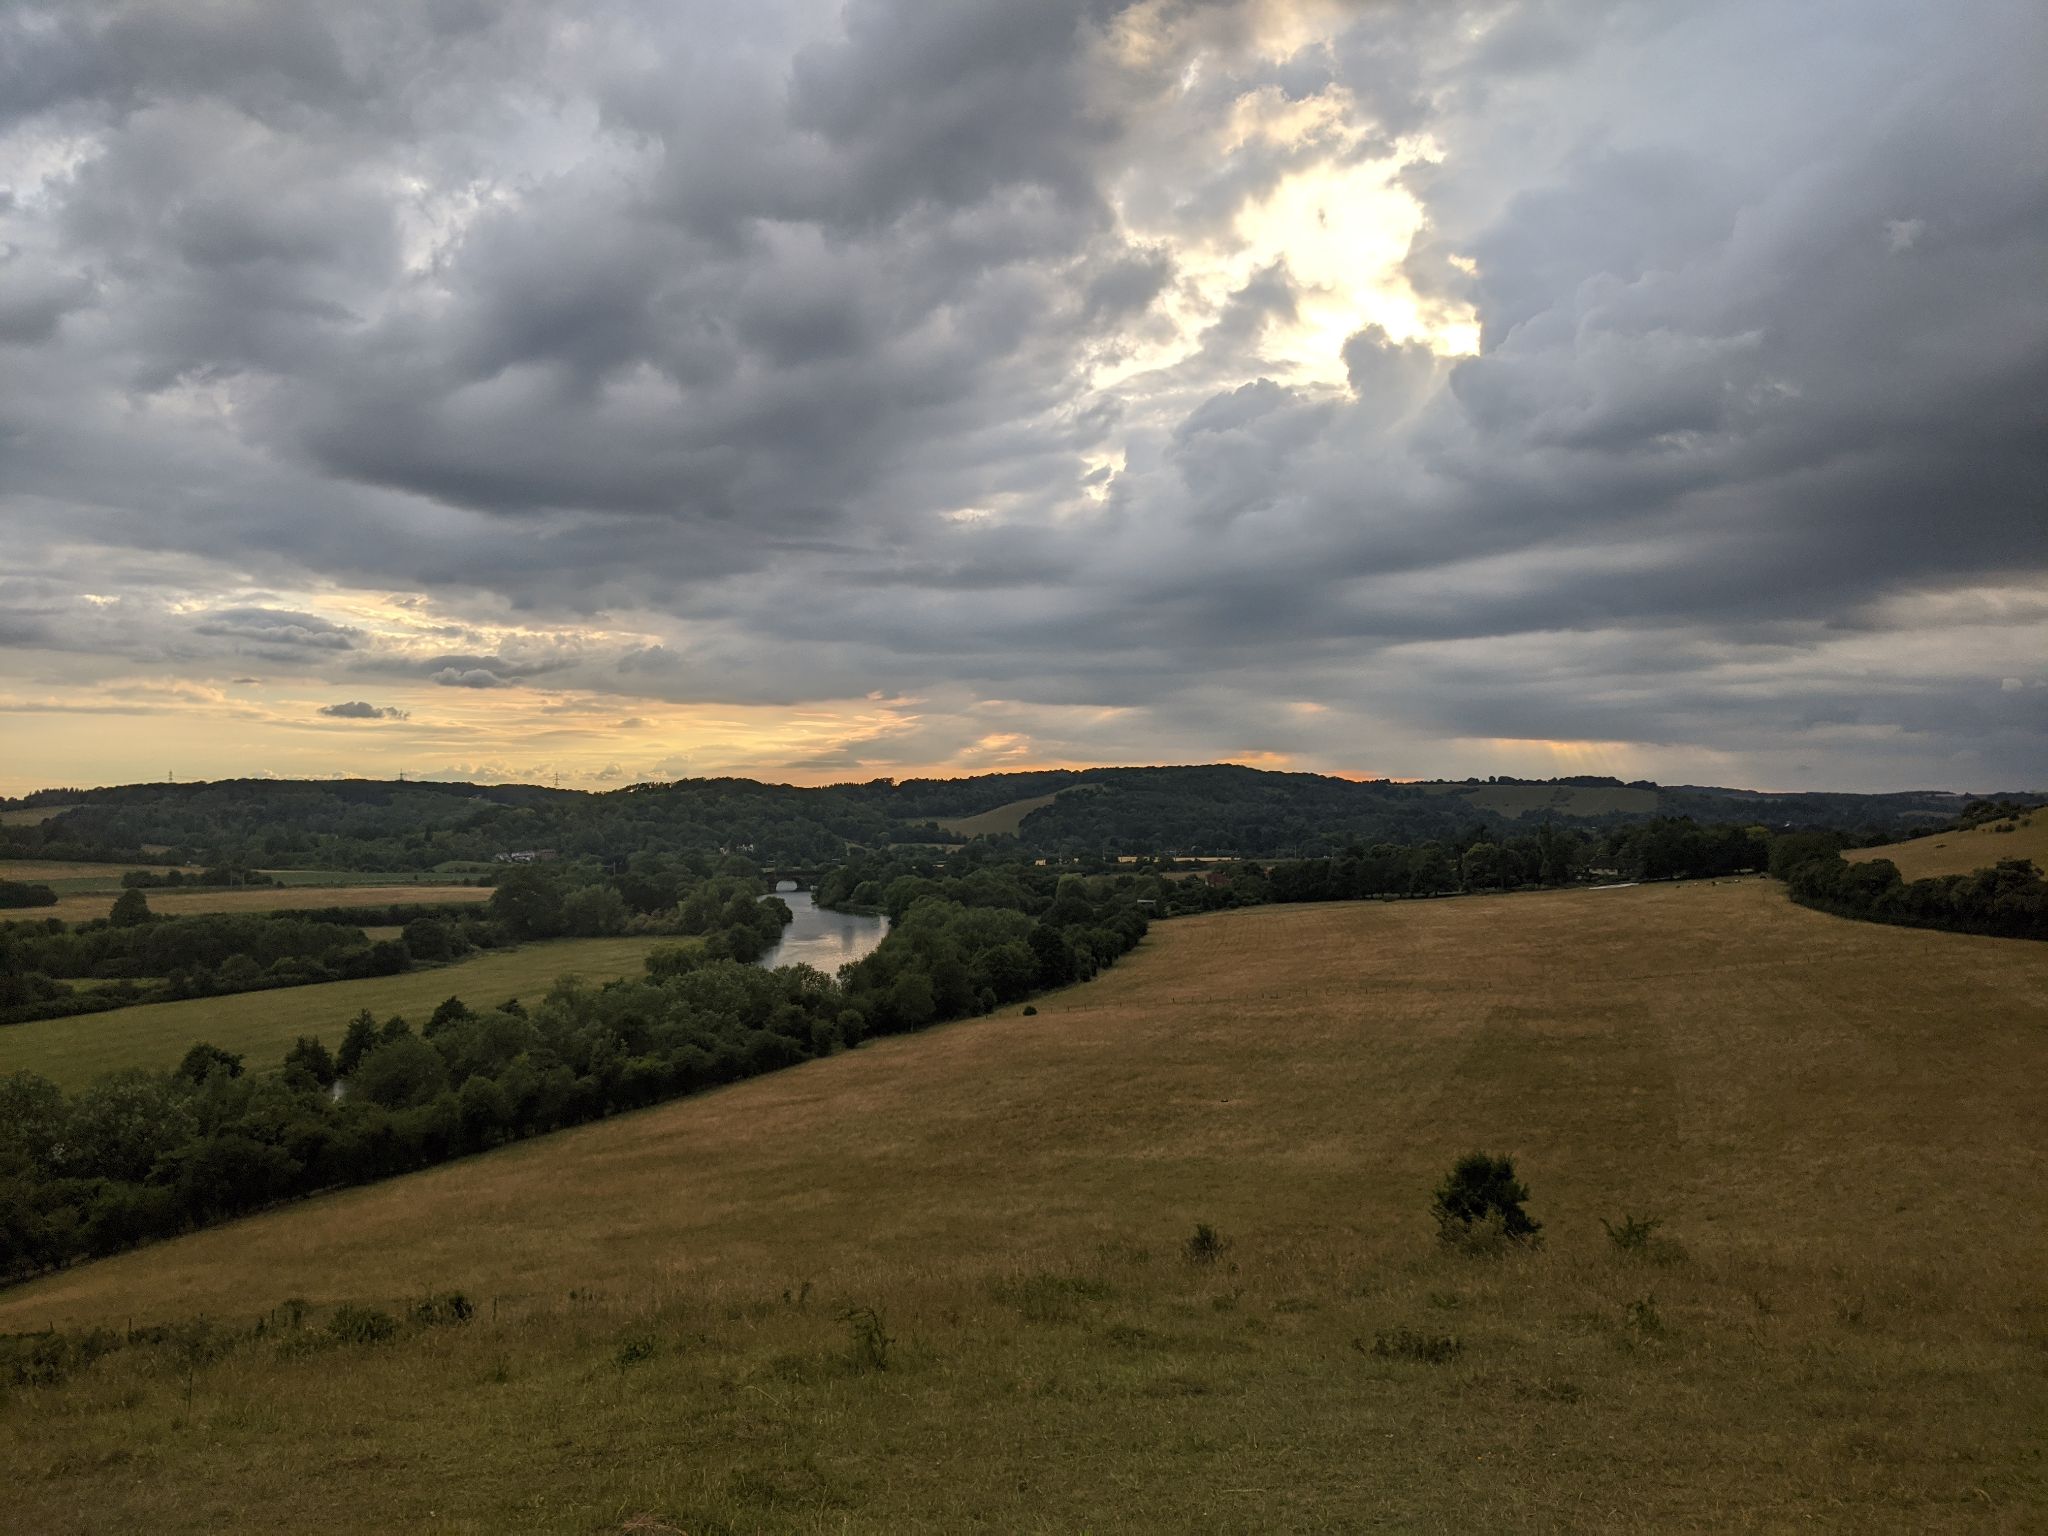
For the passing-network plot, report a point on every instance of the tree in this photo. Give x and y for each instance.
(483, 1111)
(594, 912)
(451, 1010)
(910, 1000)
(1481, 1193)
(203, 1060)
(400, 1073)
(529, 903)
(1485, 867)
(220, 1175)
(308, 1054)
(427, 939)
(357, 1043)
(131, 909)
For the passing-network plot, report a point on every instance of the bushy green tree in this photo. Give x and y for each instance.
(357, 1042)
(400, 1073)
(313, 1058)
(203, 1060)
(1482, 1191)
(131, 910)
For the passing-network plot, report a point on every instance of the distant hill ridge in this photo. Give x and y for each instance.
(1217, 809)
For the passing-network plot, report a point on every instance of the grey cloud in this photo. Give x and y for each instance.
(34, 299)
(357, 709)
(769, 331)
(278, 629)
(470, 677)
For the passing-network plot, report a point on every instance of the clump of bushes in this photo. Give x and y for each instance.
(443, 1309)
(1478, 1207)
(1407, 1344)
(352, 1324)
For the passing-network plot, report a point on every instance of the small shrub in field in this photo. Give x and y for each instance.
(1407, 1344)
(352, 1324)
(442, 1310)
(1632, 1235)
(1030, 1010)
(633, 1351)
(1205, 1247)
(868, 1342)
(1479, 1205)
(1636, 1237)
(1644, 1319)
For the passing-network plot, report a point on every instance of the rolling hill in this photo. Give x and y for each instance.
(1961, 853)
(939, 1282)
(404, 829)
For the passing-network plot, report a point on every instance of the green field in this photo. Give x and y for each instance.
(262, 1025)
(1839, 1326)
(1962, 853)
(65, 876)
(75, 907)
(1003, 821)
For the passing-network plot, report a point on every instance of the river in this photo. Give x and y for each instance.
(825, 939)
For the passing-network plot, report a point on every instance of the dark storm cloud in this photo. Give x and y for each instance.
(768, 335)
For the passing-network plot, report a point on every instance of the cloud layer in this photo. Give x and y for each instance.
(833, 390)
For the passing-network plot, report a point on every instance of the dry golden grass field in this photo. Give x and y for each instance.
(263, 1025)
(84, 907)
(1960, 853)
(1842, 1326)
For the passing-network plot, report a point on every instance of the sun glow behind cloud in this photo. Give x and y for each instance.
(1338, 226)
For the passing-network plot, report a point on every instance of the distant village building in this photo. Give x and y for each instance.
(526, 856)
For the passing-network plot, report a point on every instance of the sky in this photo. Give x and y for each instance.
(620, 390)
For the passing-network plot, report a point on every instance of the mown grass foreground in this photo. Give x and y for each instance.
(939, 1283)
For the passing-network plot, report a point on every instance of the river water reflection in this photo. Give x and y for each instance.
(822, 938)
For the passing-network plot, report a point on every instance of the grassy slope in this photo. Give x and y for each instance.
(31, 815)
(1842, 1121)
(263, 1025)
(1003, 821)
(1960, 853)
